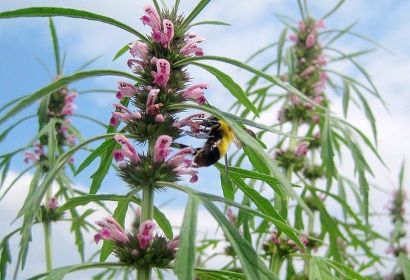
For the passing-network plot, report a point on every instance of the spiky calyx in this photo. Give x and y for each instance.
(49, 215)
(148, 129)
(313, 172)
(147, 172)
(288, 158)
(157, 255)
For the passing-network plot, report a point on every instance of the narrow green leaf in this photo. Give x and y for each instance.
(210, 22)
(318, 270)
(230, 85)
(4, 134)
(264, 205)
(405, 265)
(88, 63)
(334, 9)
(56, 47)
(120, 52)
(11, 102)
(258, 52)
(270, 78)
(253, 267)
(346, 97)
(30, 99)
(195, 12)
(73, 13)
(94, 154)
(102, 171)
(281, 43)
(401, 174)
(369, 114)
(283, 227)
(5, 259)
(226, 184)
(185, 258)
(60, 273)
(327, 153)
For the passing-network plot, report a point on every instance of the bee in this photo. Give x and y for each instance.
(219, 136)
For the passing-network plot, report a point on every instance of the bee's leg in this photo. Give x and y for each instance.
(226, 162)
(200, 135)
(182, 146)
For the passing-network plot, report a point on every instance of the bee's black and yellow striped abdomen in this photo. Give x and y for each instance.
(220, 136)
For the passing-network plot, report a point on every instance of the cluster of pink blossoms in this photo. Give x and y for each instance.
(178, 162)
(111, 230)
(163, 34)
(310, 77)
(35, 155)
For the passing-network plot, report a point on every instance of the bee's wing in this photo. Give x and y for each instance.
(200, 135)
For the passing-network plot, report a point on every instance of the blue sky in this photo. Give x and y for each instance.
(24, 41)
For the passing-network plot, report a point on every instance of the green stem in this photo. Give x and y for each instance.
(292, 146)
(282, 204)
(275, 265)
(147, 211)
(308, 249)
(47, 242)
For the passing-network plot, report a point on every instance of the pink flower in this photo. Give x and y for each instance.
(168, 34)
(125, 90)
(196, 93)
(294, 99)
(275, 238)
(318, 88)
(180, 164)
(304, 239)
(318, 99)
(293, 38)
(139, 49)
(151, 18)
(321, 60)
(173, 244)
(71, 139)
(281, 115)
(152, 108)
(162, 148)
(191, 46)
(145, 234)
(310, 40)
(308, 71)
(302, 26)
(159, 118)
(110, 230)
(52, 203)
(320, 24)
(35, 155)
(127, 150)
(302, 149)
(189, 121)
(323, 77)
(161, 77)
(69, 106)
(29, 156)
(123, 114)
(231, 216)
(315, 118)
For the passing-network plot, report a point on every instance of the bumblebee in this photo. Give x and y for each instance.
(219, 136)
